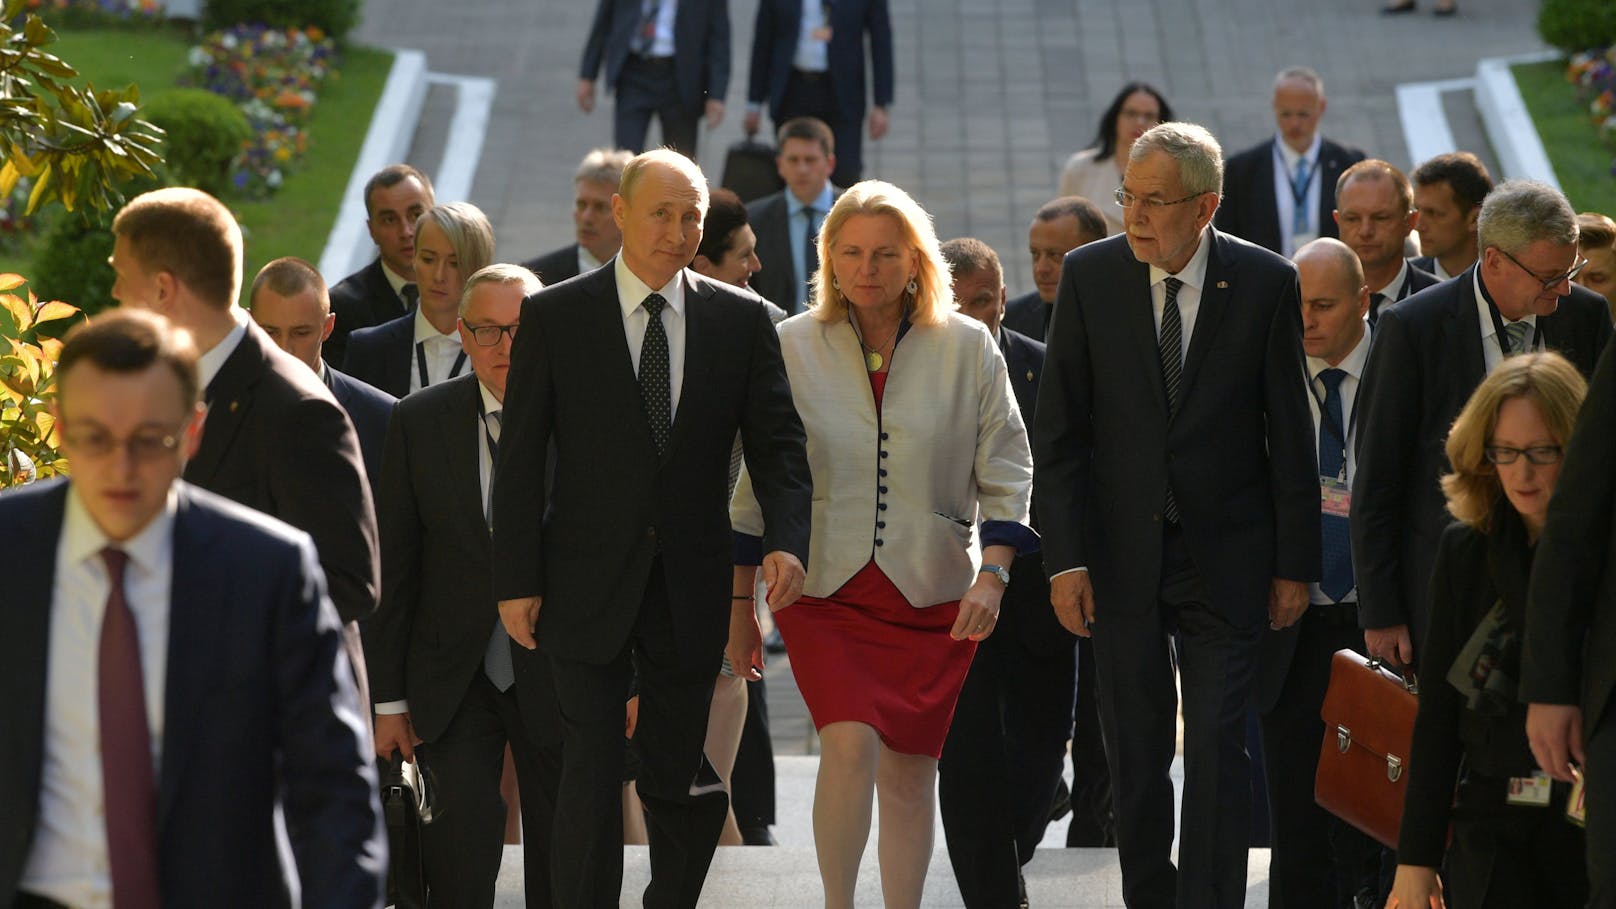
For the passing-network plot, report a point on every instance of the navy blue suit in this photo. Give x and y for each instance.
(382, 355)
(259, 710)
(362, 299)
(555, 266)
(843, 105)
(675, 88)
(1249, 209)
(368, 409)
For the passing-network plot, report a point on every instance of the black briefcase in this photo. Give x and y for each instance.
(402, 797)
(749, 170)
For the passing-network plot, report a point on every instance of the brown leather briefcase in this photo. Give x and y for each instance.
(1368, 717)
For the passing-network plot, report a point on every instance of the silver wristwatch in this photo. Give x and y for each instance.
(998, 571)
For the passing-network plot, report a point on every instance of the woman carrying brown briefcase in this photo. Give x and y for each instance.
(1513, 843)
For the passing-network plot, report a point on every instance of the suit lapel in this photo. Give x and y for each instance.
(197, 602)
(462, 452)
(24, 646)
(616, 364)
(1330, 167)
(1465, 324)
(701, 327)
(1139, 310)
(1215, 291)
(231, 396)
(1267, 204)
(398, 368)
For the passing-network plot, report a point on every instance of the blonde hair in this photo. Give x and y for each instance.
(932, 298)
(1547, 380)
(467, 229)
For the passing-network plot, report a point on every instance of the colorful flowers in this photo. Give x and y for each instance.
(274, 75)
(96, 12)
(1593, 72)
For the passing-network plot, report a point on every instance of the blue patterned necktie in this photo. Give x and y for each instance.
(1299, 218)
(1337, 546)
(1515, 333)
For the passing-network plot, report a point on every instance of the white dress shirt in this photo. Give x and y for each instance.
(1353, 366)
(797, 230)
(212, 361)
(587, 261)
(1438, 270)
(442, 352)
(68, 859)
(397, 281)
(1392, 292)
(812, 54)
(1193, 274)
(631, 292)
(662, 44)
(1492, 353)
(1283, 195)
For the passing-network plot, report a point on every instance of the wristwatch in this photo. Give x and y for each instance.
(998, 571)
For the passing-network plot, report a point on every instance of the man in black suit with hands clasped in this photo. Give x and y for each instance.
(1176, 495)
(640, 374)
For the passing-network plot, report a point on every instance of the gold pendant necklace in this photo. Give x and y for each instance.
(872, 355)
(873, 360)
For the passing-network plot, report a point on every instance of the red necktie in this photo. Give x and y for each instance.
(126, 764)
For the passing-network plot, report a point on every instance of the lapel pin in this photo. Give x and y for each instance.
(1029, 375)
(234, 405)
(1223, 285)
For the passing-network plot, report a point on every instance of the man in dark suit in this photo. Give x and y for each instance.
(1280, 192)
(275, 439)
(1058, 227)
(174, 675)
(665, 58)
(1448, 192)
(1567, 676)
(1002, 760)
(631, 559)
(445, 673)
(787, 222)
(385, 289)
(597, 236)
(816, 69)
(289, 302)
(1174, 468)
(1430, 353)
(1319, 862)
(1374, 209)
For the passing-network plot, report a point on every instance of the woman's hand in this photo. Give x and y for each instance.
(978, 610)
(1416, 887)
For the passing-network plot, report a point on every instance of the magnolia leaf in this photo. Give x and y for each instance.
(14, 8)
(52, 347)
(37, 33)
(22, 315)
(54, 310)
(40, 184)
(11, 282)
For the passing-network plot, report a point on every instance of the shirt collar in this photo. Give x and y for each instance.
(491, 404)
(1484, 302)
(150, 548)
(1193, 274)
(394, 279)
(425, 332)
(1390, 291)
(211, 362)
(587, 260)
(1352, 364)
(631, 291)
(822, 202)
(1290, 156)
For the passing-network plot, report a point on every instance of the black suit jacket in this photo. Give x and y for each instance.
(1249, 209)
(277, 441)
(1239, 452)
(383, 355)
(1418, 279)
(1571, 619)
(1425, 362)
(700, 42)
(360, 300)
(1026, 613)
(1027, 314)
(368, 409)
(428, 638)
(587, 548)
(774, 46)
(258, 704)
(1425, 263)
(555, 266)
(770, 218)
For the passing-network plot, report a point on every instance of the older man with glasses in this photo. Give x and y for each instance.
(1430, 353)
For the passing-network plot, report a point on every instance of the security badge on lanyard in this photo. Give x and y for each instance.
(1335, 496)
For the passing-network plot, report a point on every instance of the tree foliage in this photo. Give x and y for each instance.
(28, 383)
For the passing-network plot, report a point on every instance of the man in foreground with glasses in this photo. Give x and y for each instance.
(444, 673)
(1430, 353)
(1177, 499)
(174, 674)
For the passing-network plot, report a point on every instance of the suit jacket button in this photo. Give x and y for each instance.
(883, 453)
(878, 542)
(885, 436)
(882, 489)
(883, 472)
(882, 506)
(650, 532)
(880, 524)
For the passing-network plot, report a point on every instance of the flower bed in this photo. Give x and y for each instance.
(274, 76)
(1594, 74)
(97, 13)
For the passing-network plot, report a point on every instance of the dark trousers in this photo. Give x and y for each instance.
(1600, 751)
(462, 847)
(1318, 860)
(1092, 825)
(645, 87)
(1216, 663)
(811, 95)
(684, 800)
(751, 783)
(1510, 855)
(1002, 762)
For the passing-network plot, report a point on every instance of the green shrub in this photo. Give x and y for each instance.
(1574, 25)
(205, 134)
(71, 263)
(334, 17)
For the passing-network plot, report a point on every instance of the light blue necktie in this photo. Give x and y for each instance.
(1299, 220)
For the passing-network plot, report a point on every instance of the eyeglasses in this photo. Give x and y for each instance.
(1550, 283)
(143, 447)
(1541, 455)
(488, 335)
(1129, 200)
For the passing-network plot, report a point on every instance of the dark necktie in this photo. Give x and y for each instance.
(654, 387)
(412, 296)
(1376, 301)
(1337, 547)
(1171, 346)
(645, 31)
(810, 251)
(130, 787)
(497, 655)
(1515, 332)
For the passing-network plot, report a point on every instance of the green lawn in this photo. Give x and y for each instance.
(1581, 161)
(297, 219)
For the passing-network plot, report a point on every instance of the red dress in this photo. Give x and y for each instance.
(866, 655)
